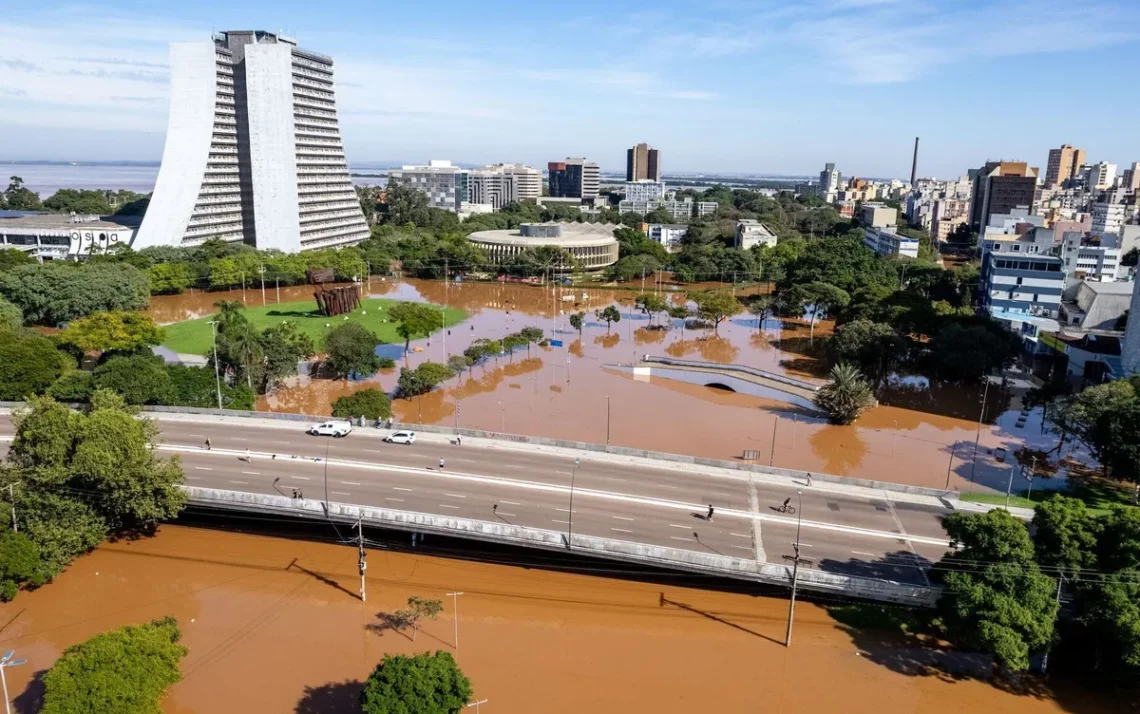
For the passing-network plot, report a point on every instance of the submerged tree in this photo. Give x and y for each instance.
(846, 396)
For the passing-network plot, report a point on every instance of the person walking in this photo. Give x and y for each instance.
(809, 479)
(248, 457)
(710, 514)
(495, 509)
(208, 445)
(294, 494)
(441, 463)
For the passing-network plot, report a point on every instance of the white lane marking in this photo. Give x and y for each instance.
(444, 505)
(374, 451)
(197, 436)
(194, 478)
(298, 478)
(674, 525)
(455, 495)
(558, 521)
(859, 552)
(621, 530)
(622, 518)
(252, 473)
(398, 500)
(680, 538)
(397, 488)
(463, 461)
(341, 493)
(742, 547)
(513, 466)
(240, 482)
(349, 483)
(898, 522)
(740, 535)
(564, 473)
(606, 495)
(565, 510)
(203, 468)
(504, 513)
(510, 503)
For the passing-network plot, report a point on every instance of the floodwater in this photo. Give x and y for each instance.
(274, 625)
(921, 434)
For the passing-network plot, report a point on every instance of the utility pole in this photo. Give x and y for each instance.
(978, 437)
(455, 606)
(950, 465)
(328, 443)
(476, 705)
(1045, 657)
(243, 287)
(261, 271)
(217, 375)
(12, 498)
(277, 285)
(796, 560)
(772, 456)
(607, 419)
(363, 559)
(6, 661)
(570, 515)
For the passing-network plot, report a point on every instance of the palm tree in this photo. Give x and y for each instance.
(846, 396)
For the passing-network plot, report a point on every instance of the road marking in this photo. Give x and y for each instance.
(398, 500)
(396, 488)
(859, 552)
(235, 438)
(565, 510)
(203, 468)
(680, 538)
(622, 518)
(455, 495)
(621, 530)
(349, 483)
(444, 505)
(558, 521)
(898, 522)
(197, 436)
(252, 473)
(742, 547)
(510, 503)
(740, 535)
(375, 451)
(504, 513)
(341, 493)
(674, 525)
(194, 478)
(564, 473)
(240, 482)
(298, 478)
(283, 443)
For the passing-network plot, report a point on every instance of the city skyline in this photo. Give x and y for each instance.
(844, 81)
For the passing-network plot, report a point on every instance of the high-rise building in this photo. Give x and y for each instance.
(573, 178)
(999, 188)
(1102, 175)
(829, 180)
(1064, 164)
(500, 184)
(444, 184)
(642, 163)
(253, 150)
(644, 191)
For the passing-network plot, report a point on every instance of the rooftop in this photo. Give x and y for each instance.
(565, 235)
(1109, 288)
(63, 221)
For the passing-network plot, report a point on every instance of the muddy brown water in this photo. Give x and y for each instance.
(274, 625)
(918, 436)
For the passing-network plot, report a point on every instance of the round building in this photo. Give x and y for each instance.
(592, 244)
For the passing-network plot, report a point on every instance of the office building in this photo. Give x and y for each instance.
(1101, 176)
(1130, 177)
(680, 210)
(500, 184)
(1064, 165)
(829, 180)
(1001, 187)
(669, 235)
(885, 241)
(878, 215)
(644, 190)
(573, 178)
(253, 151)
(58, 236)
(1088, 261)
(1017, 232)
(1026, 285)
(642, 163)
(750, 232)
(1107, 218)
(444, 184)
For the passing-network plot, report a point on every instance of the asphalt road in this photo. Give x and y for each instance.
(659, 506)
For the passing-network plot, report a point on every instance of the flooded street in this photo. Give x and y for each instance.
(274, 625)
(918, 435)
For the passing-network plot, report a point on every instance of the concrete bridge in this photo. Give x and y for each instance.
(735, 377)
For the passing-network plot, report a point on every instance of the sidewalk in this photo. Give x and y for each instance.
(820, 482)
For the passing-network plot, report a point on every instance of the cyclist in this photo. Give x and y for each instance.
(710, 515)
(784, 508)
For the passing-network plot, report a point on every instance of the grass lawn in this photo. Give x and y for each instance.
(1099, 495)
(193, 336)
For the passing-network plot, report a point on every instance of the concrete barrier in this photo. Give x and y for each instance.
(610, 549)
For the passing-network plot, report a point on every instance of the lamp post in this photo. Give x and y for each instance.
(476, 705)
(796, 559)
(570, 516)
(455, 606)
(607, 419)
(5, 662)
(217, 375)
(978, 436)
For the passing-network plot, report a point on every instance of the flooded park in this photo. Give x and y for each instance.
(920, 434)
(275, 625)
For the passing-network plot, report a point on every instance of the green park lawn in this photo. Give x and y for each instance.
(193, 336)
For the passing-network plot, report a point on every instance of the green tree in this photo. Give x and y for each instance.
(966, 353)
(876, 348)
(29, 363)
(19, 563)
(139, 379)
(763, 307)
(283, 346)
(73, 386)
(609, 315)
(11, 317)
(196, 387)
(82, 201)
(577, 321)
(56, 291)
(369, 403)
(11, 257)
(416, 319)
(124, 671)
(815, 298)
(1131, 258)
(846, 396)
(424, 378)
(634, 267)
(419, 609)
(112, 331)
(350, 348)
(405, 205)
(170, 278)
(61, 526)
(423, 684)
(531, 335)
(716, 306)
(19, 197)
(481, 348)
(651, 304)
(680, 312)
(1066, 535)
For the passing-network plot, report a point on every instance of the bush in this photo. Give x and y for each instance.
(197, 387)
(423, 684)
(29, 363)
(74, 386)
(422, 379)
(139, 379)
(369, 403)
(386, 363)
(351, 349)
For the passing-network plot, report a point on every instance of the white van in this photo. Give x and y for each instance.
(331, 428)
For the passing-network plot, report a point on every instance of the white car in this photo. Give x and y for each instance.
(331, 428)
(401, 437)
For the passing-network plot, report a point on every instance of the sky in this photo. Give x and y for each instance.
(760, 86)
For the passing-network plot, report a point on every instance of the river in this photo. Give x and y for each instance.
(274, 625)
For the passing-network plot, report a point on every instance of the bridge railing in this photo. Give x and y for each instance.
(780, 378)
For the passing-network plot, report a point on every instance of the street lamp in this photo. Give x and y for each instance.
(217, 376)
(5, 662)
(476, 705)
(455, 605)
(796, 559)
(570, 516)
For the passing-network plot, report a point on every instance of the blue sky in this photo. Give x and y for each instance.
(727, 85)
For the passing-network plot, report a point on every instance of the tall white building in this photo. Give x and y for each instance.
(444, 184)
(253, 150)
(829, 180)
(1101, 175)
(644, 190)
(499, 184)
(1107, 217)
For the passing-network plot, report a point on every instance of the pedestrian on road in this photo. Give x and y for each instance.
(301, 494)
(441, 463)
(458, 440)
(710, 515)
(495, 509)
(809, 479)
(208, 446)
(248, 457)
(294, 493)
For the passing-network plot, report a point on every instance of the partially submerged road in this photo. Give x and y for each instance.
(858, 533)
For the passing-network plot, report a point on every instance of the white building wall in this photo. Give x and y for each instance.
(272, 147)
(193, 89)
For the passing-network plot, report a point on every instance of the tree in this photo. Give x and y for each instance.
(1131, 258)
(112, 331)
(816, 298)
(170, 278)
(876, 348)
(29, 363)
(634, 267)
(283, 346)
(81, 201)
(680, 312)
(846, 396)
(481, 348)
(422, 379)
(139, 379)
(762, 306)
(11, 257)
(423, 684)
(651, 304)
(609, 315)
(968, 352)
(11, 317)
(1066, 535)
(577, 321)
(1105, 417)
(124, 671)
(415, 318)
(350, 348)
(196, 387)
(19, 563)
(21, 198)
(998, 601)
(419, 609)
(1109, 615)
(530, 335)
(368, 403)
(405, 205)
(54, 292)
(73, 386)
(716, 306)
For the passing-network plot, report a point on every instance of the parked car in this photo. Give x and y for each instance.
(331, 428)
(401, 437)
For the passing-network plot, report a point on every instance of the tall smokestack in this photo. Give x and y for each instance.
(914, 165)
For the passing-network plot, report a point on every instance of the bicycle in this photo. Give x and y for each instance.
(787, 509)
